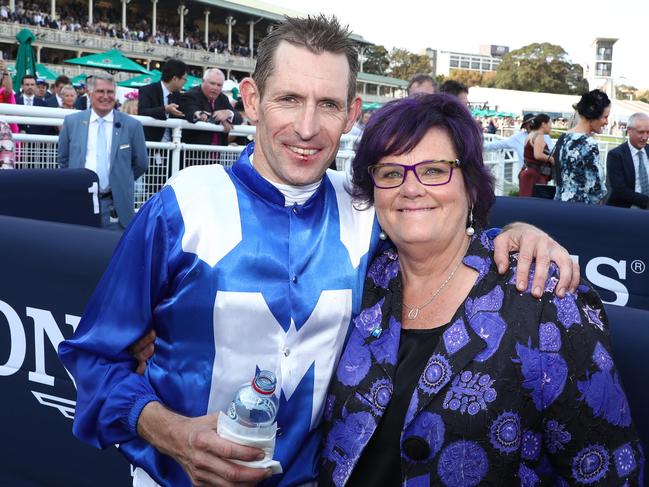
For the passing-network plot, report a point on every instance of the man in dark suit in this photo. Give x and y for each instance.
(627, 167)
(110, 143)
(54, 99)
(161, 100)
(28, 98)
(206, 102)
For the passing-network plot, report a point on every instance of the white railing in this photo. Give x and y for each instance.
(39, 151)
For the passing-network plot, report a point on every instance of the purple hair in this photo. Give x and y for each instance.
(400, 125)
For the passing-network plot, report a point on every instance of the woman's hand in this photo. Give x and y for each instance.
(535, 245)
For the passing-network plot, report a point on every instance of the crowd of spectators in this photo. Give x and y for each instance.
(72, 17)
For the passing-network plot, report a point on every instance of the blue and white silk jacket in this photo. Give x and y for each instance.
(518, 391)
(231, 280)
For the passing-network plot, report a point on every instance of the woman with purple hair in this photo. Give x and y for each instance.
(451, 376)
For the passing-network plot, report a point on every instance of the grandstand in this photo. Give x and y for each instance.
(203, 33)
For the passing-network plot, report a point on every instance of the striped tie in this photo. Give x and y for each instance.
(642, 173)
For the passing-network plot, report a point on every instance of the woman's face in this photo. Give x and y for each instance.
(416, 214)
(546, 127)
(598, 124)
(68, 98)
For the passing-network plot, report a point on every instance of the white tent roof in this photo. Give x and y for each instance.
(522, 101)
(528, 101)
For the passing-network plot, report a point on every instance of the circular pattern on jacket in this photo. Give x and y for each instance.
(506, 432)
(436, 374)
(462, 464)
(380, 393)
(590, 464)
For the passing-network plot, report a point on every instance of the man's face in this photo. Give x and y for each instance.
(463, 96)
(639, 134)
(302, 114)
(102, 97)
(425, 87)
(57, 88)
(213, 85)
(177, 83)
(29, 86)
(40, 91)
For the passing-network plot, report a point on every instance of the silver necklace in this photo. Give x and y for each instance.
(413, 312)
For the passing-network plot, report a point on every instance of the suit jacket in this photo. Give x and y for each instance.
(195, 100)
(52, 101)
(81, 103)
(151, 104)
(516, 391)
(35, 129)
(128, 156)
(620, 178)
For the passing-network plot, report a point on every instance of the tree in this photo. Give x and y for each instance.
(404, 64)
(643, 96)
(376, 59)
(472, 78)
(540, 67)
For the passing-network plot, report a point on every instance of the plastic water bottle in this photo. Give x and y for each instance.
(255, 405)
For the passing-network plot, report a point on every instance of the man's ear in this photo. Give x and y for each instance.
(353, 112)
(250, 96)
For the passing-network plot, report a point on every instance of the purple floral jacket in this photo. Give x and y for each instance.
(519, 391)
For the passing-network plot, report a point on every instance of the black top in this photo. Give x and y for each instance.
(380, 462)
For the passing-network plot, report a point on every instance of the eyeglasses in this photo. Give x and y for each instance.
(429, 173)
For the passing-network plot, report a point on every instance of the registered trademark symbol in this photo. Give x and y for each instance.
(637, 266)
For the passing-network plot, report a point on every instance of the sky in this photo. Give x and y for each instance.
(466, 24)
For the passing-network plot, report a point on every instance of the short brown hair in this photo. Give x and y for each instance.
(317, 34)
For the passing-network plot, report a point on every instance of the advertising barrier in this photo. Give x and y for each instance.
(66, 195)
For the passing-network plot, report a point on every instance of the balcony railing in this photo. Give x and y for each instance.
(81, 41)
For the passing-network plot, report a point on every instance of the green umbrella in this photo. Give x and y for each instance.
(42, 71)
(25, 63)
(141, 80)
(371, 106)
(191, 82)
(80, 78)
(154, 77)
(112, 60)
(46, 73)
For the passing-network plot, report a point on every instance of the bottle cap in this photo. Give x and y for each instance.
(264, 382)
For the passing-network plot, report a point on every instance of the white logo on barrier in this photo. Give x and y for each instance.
(617, 287)
(44, 326)
(637, 266)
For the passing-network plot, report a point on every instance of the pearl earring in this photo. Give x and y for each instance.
(383, 236)
(470, 231)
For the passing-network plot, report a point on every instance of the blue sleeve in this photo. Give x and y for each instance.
(110, 396)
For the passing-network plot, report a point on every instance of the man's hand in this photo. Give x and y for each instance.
(200, 116)
(533, 244)
(222, 115)
(196, 446)
(172, 109)
(227, 126)
(143, 350)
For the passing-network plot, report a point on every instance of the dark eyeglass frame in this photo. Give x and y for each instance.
(452, 163)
